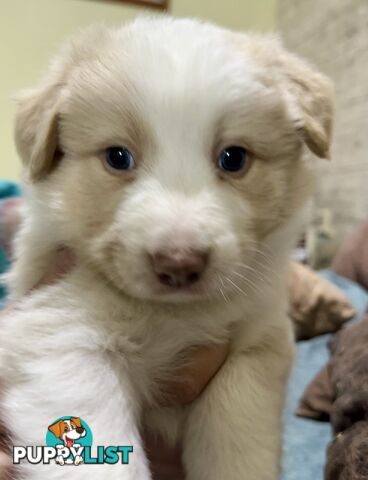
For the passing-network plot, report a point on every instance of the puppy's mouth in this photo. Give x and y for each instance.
(178, 292)
(69, 442)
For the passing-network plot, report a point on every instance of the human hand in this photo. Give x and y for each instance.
(202, 364)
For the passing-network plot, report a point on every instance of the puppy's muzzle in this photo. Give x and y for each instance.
(178, 268)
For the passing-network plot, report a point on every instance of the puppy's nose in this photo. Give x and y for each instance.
(80, 430)
(179, 268)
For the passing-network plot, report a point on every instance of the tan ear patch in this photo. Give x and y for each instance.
(309, 94)
(36, 131)
(57, 428)
(314, 96)
(36, 123)
(45, 149)
(76, 421)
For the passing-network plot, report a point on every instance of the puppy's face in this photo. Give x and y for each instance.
(169, 153)
(68, 430)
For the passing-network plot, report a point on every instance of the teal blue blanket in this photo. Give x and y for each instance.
(306, 440)
(7, 190)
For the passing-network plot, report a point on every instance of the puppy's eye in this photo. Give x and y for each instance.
(233, 159)
(119, 158)
(66, 429)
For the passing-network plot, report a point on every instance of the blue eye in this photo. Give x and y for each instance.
(232, 159)
(119, 158)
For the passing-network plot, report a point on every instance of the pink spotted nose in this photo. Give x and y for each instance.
(178, 268)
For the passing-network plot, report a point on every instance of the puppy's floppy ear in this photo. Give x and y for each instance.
(36, 123)
(309, 94)
(55, 428)
(36, 130)
(312, 98)
(76, 421)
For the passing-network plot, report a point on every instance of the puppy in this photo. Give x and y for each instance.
(170, 156)
(68, 431)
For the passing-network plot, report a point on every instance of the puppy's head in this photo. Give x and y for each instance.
(170, 152)
(68, 430)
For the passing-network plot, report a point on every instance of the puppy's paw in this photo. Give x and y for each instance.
(60, 460)
(78, 460)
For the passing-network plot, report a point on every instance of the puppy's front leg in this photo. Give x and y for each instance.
(234, 430)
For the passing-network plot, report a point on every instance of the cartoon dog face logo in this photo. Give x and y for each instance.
(68, 430)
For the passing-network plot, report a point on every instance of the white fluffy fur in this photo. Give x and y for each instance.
(176, 92)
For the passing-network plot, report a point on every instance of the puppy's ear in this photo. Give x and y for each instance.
(36, 130)
(55, 428)
(311, 97)
(76, 421)
(36, 123)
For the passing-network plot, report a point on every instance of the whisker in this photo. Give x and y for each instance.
(236, 286)
(222, 289)
(256, 272)
(222, 293)
(260, 250)
(249, 282)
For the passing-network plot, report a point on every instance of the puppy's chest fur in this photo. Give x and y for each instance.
(85, 316)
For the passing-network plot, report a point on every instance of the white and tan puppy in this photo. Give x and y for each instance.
(69, 431)
(169, 154)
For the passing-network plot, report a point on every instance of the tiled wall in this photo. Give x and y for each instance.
(333, 34)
